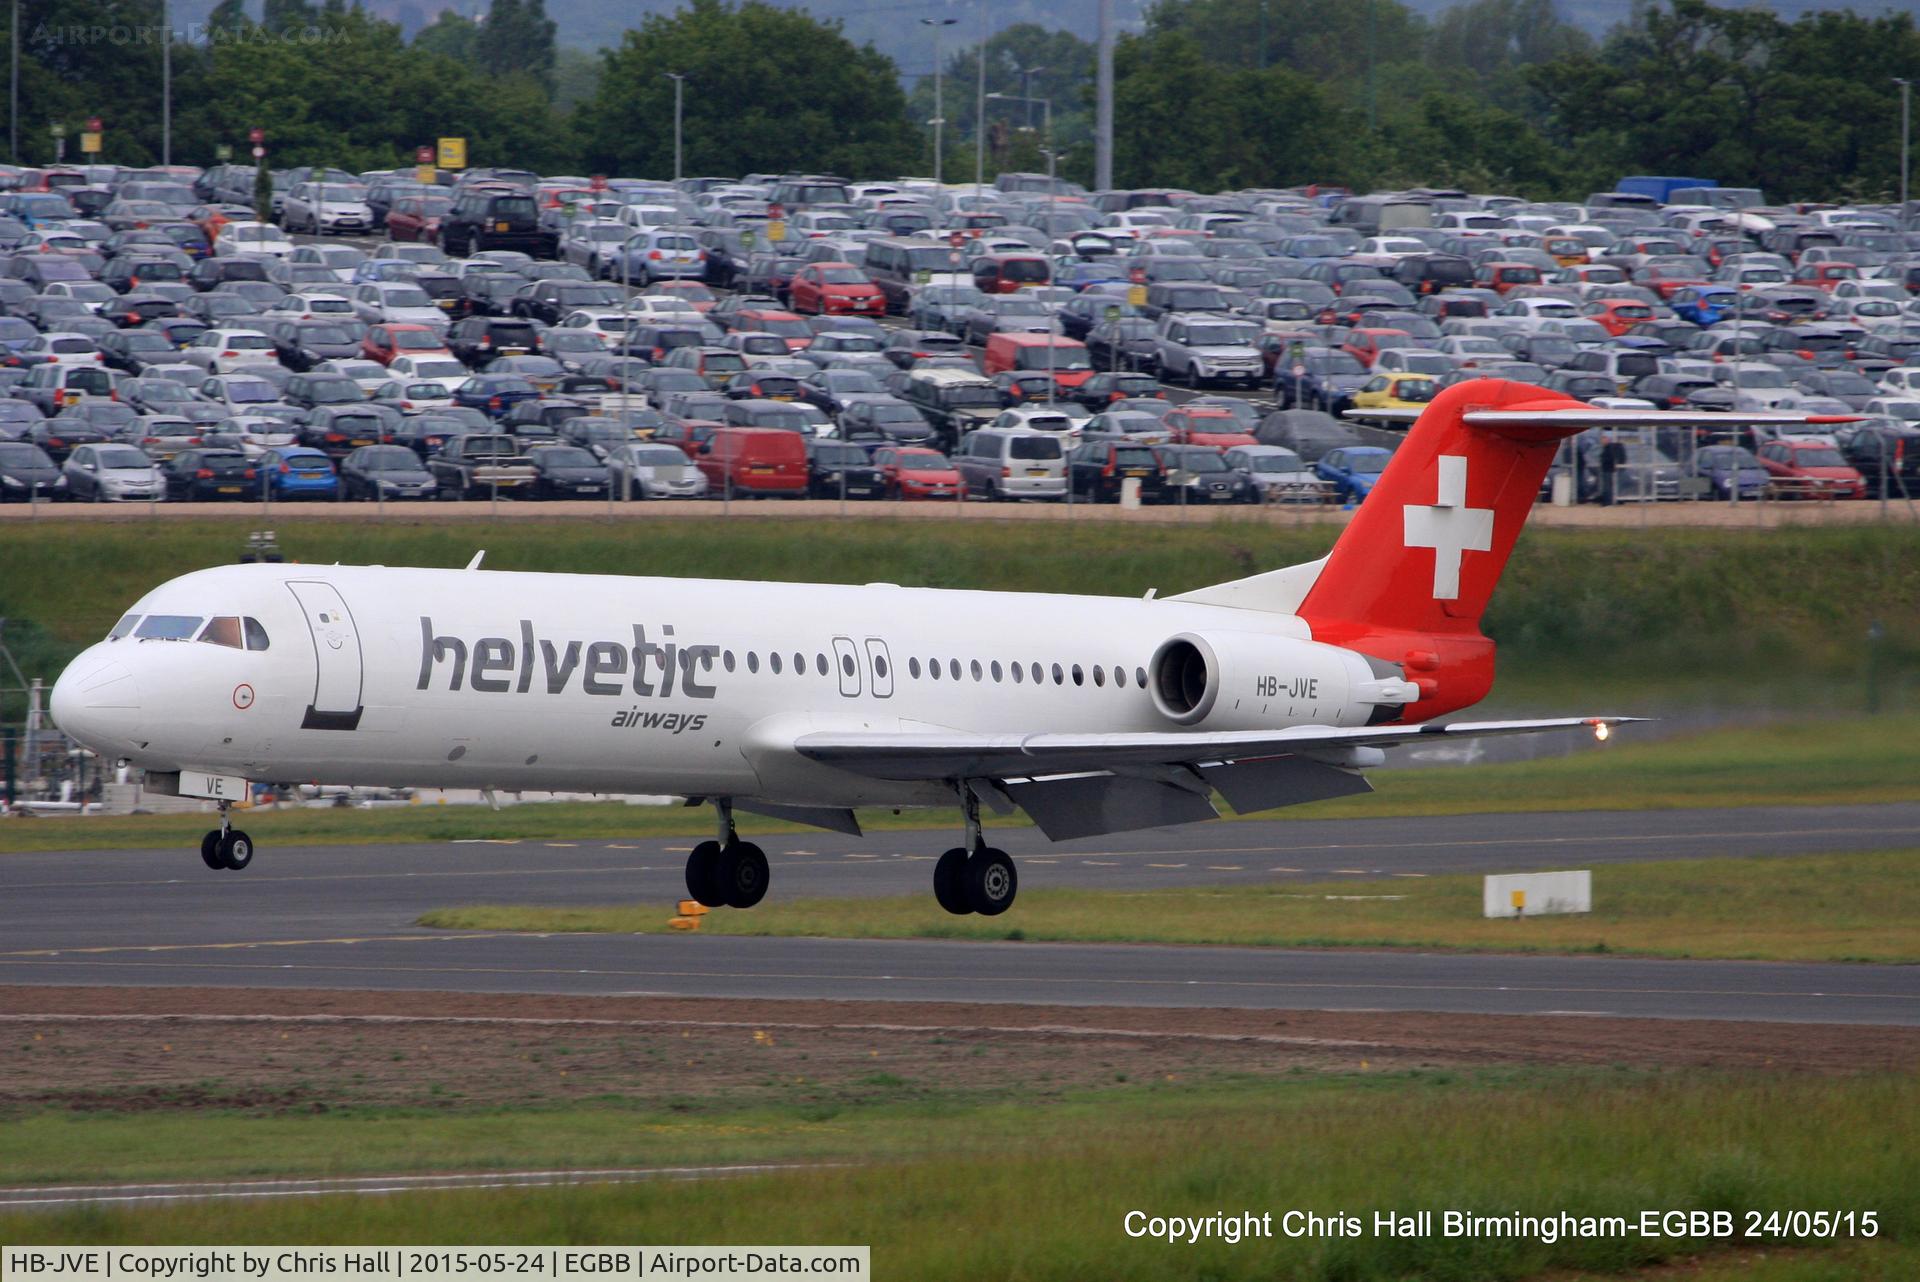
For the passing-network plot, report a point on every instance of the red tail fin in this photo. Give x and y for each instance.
(1411, 576)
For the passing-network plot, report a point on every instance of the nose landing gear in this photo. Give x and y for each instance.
(226, 848)
(728, 873)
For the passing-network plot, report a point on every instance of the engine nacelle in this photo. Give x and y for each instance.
(1256, 681)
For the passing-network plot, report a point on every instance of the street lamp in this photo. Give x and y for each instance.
(679, 91)
(1026, 89)
(1906, 134)
(939, 109)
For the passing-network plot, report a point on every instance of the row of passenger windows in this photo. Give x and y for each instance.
(993, 670)
(237, 632)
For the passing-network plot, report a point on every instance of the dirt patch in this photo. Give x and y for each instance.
(146, 1049)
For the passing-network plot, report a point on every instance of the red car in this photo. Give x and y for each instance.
(1502, 277)
(1199, 425)
(1617, 315)
(384, 342)
(696, 295)
(417, 217)
(835, 289)
(1666, 281)
(914, 472)
(1367, 344)
(1825, 275)
(797, 334)
(1811, 470)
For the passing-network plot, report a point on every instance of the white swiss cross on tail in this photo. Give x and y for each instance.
(1449, 527)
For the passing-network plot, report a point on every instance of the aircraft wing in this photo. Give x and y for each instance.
(1078, 785)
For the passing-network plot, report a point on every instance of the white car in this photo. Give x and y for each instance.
(412, 395)
(370, 375)
(319, 208)
(444, 370)
(419, 253)
(1904, 408)
(341, 260)
(312, 306)
(226, 351)
(258, 433)
(60, 348)
(239, 394)
(238, 238)
(609, 324)
(397, 302)
(661, 307)
(1277, 472)
(1054, 420)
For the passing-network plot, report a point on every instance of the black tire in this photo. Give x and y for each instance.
(743, 874)
(210, 850)
(235, 850)
(703, 881)
(950, 882)
(991, 881)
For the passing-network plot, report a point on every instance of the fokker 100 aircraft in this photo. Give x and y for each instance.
(803, 701)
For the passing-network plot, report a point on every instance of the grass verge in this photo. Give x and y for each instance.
(1826, 762)
(1009, 1191)
(1855, 907)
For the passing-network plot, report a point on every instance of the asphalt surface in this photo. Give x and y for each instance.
(342, 917)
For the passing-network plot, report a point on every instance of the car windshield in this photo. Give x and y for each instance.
(21, 454)
(1367, 464)
(390, 458)
(408, 296)
(123, 456)
(250, 392)
(1053, 357)
(1819, 456)
(1274, 463)
(840, 455)
(567, 456)
(1222, 335)
(971, 395)
(842, 276)
(1198, 461)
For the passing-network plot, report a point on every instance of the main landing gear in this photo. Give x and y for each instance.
(728, 873)
(976, 877)
(226, 847)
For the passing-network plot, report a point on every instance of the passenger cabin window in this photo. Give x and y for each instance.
(169, 627)
(223, 630)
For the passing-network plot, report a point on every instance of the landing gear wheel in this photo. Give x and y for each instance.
(210, 850)
(991, 881)
(235, 850)
(743, 874)
(950, 882)
(703, 879)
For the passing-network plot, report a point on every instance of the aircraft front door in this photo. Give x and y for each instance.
(336, 657)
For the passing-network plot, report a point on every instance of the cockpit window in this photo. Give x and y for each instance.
(224, 630)
(124, 627)
(169, 627)
(256, 635)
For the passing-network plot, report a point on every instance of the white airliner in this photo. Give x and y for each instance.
(803, 701)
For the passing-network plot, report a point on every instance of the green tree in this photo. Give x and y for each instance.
(288, 15)
(451, 35)
(767, 88)
(1065, 77)
(517, 38)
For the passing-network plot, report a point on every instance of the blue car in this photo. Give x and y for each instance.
(1704, 304)
(1726, 466)
(296, 472)
(1353, 470)
(494, 394)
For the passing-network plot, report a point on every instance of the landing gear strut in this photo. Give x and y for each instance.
(975, 877)
(226, 847)
(728, 873)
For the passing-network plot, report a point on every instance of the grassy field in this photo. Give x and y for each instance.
(1815, 908)
(1738, 617)
(1011, 1191)
(1837, 762)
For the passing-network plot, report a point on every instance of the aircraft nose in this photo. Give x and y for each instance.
(97, 701)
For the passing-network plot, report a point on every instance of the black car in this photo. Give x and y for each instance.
(489, 293)
(424, 434)
(302, 344)
(1102, 390)
(1097, 469)
(339, 430)
(496, 220)
(130, 310)
(208, 476)
(478, 339)
(28, 473)
(310, 391)
(837, 469)
(550, 300)
(385, 472)
(567, 472)
(1887, 454)
(209, 272)
(131, 351)
(1127, 343)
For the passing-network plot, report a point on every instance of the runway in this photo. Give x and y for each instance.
(342, 917)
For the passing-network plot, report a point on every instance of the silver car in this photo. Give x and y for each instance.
(1202, 347)
(645, 471)
(112, 473)
(1013, 463)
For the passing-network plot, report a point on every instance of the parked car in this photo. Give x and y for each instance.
(211, 475)
(1352, 470)
(111, 473)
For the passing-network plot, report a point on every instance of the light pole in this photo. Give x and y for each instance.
(13, 97)
(1907, 102)
(1026, 89)
(939, 107)
(166, 85)
(679, 97)
(980, 116)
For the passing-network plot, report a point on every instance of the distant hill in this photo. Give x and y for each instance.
(1598, 17)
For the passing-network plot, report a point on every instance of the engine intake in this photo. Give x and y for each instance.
(1231, 680)
(1184, 677)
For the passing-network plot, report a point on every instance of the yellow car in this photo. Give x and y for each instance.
(1395, 391)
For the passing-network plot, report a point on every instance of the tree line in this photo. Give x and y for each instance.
(1494, 95)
